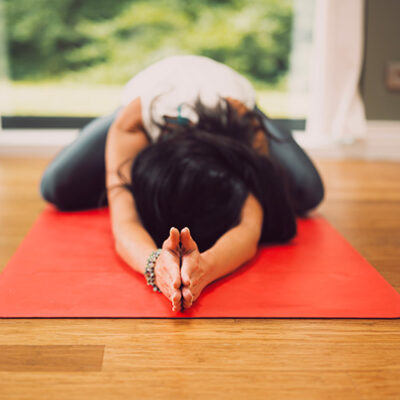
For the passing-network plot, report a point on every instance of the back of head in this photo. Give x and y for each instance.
(183, 181)
(200, 178)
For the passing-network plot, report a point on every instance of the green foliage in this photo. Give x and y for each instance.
(109, 41)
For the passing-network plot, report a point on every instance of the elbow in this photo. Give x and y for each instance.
(253, 251)
(117, 247)
(257, 239)
(117, 241)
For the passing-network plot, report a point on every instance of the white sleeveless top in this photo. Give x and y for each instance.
(181, 79)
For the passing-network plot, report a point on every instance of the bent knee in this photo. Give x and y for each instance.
(47, 187)
(54, 191)
(310, 195)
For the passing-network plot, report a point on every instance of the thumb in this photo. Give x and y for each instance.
(184, 274)
(188, 244)
(172, 242)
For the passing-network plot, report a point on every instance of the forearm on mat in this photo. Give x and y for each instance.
(231, 250)
(134, 244)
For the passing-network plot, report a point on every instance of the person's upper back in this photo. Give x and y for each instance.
(179, 81)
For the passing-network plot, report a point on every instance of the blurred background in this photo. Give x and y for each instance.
(71, 58)
(329, 70)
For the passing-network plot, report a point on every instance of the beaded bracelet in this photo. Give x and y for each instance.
(149, 271)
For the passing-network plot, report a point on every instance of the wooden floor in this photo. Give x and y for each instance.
(216, 358)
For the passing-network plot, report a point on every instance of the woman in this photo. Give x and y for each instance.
(190, 166)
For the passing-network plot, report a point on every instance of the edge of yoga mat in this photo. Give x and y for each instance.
(72, 297)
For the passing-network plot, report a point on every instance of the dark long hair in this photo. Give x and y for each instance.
(200, 175)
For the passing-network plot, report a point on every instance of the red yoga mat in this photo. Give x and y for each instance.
(66, 266)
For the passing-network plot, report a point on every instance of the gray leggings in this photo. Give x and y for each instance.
(75, 178)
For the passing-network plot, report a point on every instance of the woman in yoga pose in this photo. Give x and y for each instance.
(188, 165)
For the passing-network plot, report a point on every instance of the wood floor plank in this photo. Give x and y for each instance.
(376, 385)
(190, 383)
(55, 358)
(130, 331)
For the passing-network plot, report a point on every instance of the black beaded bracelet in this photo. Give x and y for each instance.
(149, 271)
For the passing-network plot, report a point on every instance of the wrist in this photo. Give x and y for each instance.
(149, 270)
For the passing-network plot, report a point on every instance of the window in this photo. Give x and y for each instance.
(68, 58)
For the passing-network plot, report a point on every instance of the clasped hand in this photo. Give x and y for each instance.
(181, 272)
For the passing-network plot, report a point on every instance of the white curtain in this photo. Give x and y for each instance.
(336, 110)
